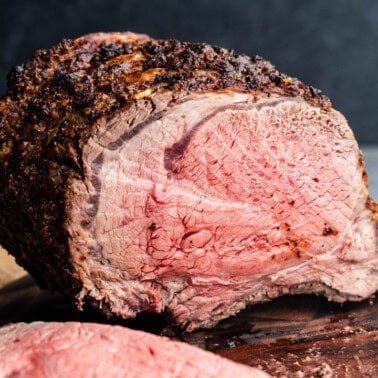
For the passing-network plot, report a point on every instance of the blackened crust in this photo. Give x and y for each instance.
(52, 106)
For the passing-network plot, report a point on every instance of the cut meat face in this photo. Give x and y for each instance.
(94, 350)
(178, 177)
(222, 202)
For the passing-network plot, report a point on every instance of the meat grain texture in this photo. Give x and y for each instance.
(154, 175)
(93, 350)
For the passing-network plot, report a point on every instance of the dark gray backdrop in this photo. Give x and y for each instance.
(332, 45)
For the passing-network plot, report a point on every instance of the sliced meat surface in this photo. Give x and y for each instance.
(93, 350)
(165, 176)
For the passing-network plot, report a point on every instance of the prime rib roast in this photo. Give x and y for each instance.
(46, 350)
(154, 175)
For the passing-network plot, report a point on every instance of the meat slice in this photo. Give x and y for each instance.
(152, 175)
(93, 350)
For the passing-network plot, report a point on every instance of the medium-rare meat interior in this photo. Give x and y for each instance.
(81, 350)
(154, 175)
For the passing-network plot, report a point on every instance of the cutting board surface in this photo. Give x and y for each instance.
(293, 336)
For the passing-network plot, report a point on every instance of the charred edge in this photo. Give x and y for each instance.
(111, 50)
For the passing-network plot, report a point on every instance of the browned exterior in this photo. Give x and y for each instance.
(53, 104)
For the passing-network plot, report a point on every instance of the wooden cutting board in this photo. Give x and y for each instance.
(293, 336)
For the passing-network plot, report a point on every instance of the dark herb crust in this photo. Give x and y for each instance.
(52, 106)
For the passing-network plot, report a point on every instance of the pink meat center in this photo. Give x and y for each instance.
(242, 189)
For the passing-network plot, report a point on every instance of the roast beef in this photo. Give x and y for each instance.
(93, 350)
(154, 175)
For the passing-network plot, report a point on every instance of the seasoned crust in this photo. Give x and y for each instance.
(51, 108)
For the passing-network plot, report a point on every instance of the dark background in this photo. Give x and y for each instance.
(332, 45)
